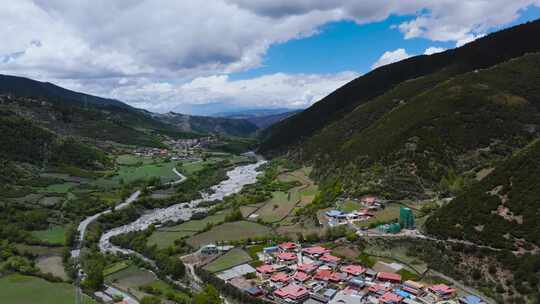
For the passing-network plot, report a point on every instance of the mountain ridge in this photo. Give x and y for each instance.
(484, 52)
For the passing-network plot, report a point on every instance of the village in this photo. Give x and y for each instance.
(179, 149)
(292, 273)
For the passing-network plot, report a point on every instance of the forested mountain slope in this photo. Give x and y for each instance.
(502, 210)
(418, 133)
(206, 124)
(485, 52)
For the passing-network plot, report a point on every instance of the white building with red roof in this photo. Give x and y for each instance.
(330, 259)
(353, 270)
(389, 277)
(443, 291)
(264, 271)
(288, 246)
(287, 257)
(301, 276)
(316, 251)
(293, 292)
(280, 277)
(307, 268)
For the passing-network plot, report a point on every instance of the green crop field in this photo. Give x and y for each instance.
(130, 160)
(277, 207)
(55, 235)
(230, 259)
(165, 289)
(234, 231)
(128, 174)
(21, 289)
(114, 268)
(165, 236)
(349, 206)
(131, 279)
(164, 239)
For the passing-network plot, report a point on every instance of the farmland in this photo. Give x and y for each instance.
(282, 204)
(234, 231)
(53, 265)
(230, 259)
(131, 279)
(166, 236)
(21, 289)
(54, 235)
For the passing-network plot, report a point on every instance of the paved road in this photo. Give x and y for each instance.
(83, 226)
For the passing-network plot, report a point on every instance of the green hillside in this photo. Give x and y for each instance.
(502, 210)
(24, 141)
(488, 51)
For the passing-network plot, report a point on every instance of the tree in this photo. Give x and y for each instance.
(150, 300)
(209, 295)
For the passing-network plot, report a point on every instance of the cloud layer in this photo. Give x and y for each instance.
(136, 50)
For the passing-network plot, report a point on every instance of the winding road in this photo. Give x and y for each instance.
(237, 179)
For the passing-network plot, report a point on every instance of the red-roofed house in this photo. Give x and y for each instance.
(323, 275)
(287, 257)
(288, 246)
(316, 251)
(329, 275)
(307, 268)
(378, 289)
(369, 200)
(265, 270)
(390, 298)
(293, 292)
(301, 276)
(442, 290)
(280, 277)
(354, 270)
(389, 277)
(328, 258)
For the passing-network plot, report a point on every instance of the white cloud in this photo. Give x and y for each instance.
(274, 90)
(391, 57)
(109, 46)
(463, 21)
(433, 50)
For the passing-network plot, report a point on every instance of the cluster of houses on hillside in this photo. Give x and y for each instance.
(313, 275)
(370, 205)
(178, 148)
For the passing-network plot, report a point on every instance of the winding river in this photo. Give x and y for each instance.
(237, 178)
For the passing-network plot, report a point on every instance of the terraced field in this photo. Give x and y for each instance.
(282, 204)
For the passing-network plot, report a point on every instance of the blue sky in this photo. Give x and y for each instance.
(345, 45)
(210, 56)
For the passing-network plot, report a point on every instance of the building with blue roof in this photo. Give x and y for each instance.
(471, 299)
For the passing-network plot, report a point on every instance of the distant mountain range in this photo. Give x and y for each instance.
(72, 113)
(206, 124)
(262, 118)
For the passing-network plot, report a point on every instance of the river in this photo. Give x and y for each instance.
(237, 178)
